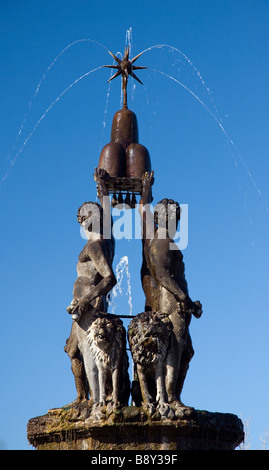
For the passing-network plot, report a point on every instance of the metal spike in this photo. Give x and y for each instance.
(136, 57)
(134, 76)
(115, 57)
(112, 66)
(114, 76)
(126, 53)
(137, 67)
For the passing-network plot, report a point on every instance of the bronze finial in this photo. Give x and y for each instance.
(125, 68)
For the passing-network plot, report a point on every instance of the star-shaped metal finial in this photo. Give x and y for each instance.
(125, 68)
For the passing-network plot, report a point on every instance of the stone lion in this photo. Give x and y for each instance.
(149, 337)
(101, 340)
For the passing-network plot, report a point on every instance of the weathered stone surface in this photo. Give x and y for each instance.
(73, 428)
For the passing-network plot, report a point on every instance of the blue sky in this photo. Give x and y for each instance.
(207, 133)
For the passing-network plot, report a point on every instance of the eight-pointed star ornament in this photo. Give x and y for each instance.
(125, 68)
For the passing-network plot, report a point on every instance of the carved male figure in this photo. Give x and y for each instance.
(95, 279)
(165, 286)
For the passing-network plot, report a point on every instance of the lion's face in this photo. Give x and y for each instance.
(151, 341)
(148, 338)
(103, 333)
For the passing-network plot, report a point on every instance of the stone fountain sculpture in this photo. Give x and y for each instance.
(159, 338)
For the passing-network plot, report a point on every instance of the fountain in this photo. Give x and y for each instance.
(101, 417)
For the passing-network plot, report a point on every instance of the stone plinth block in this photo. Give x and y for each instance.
(72, 428)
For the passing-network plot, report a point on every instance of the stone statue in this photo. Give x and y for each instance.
(95, 280)
(94, 268)
(165, 287)
(101, 341)
(149, 337)
(159, 338)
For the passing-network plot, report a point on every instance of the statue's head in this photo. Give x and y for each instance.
(90, 217)
(167, 215)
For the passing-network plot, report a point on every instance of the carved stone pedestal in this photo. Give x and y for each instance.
(72, 428)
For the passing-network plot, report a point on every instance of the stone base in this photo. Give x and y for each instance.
(72, 428)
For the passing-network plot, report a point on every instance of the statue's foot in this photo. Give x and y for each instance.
(81, 399)
(98, 412)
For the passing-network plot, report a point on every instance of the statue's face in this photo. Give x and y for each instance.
(87, 223)
(167, 215)
(83, 217)
(90, 217)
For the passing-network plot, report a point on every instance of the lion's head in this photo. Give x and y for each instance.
(149, 336)
(106, 337)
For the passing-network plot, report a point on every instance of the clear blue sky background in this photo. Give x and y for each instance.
(208, 141)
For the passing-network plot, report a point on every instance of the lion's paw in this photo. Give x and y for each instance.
(180, 409)
(98, 411)
(149, 409)
(165, 411)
